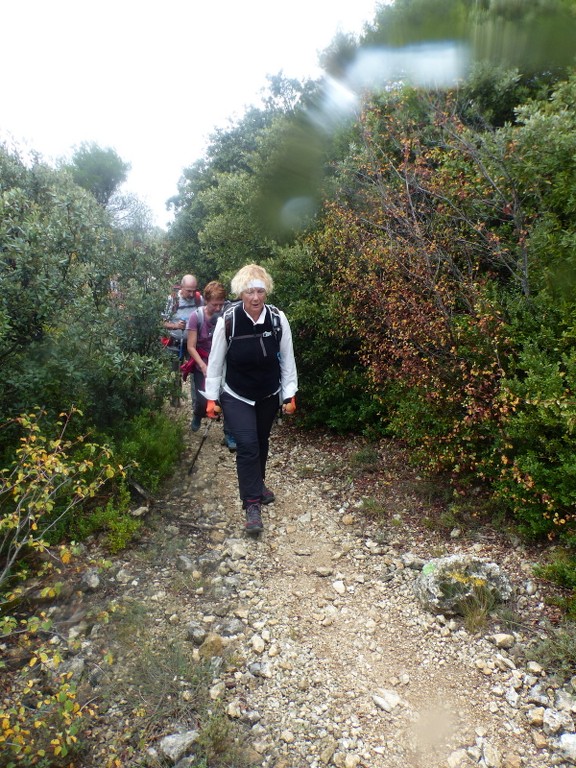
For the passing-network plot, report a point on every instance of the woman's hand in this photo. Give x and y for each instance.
(213, 410)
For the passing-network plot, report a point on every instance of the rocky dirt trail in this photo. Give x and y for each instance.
(331, 660)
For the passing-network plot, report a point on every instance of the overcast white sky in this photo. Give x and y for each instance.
(152, 78)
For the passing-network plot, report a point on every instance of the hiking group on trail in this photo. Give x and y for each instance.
(243, 366)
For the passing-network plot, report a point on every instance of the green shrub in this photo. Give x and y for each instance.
(538, 472)
(50, 480)
(113, 520)
(560, 568)
(339, 398)
(334, 388)
(557, 651)
(42, 722)
(78, 342)
(422, 425)
(152, 444)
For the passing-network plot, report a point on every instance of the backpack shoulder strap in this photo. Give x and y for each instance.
(276, 322)
(229, 316)
(230, 321)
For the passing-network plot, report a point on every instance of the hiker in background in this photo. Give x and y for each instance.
(200, 329)
(179, 307)
(251, 369)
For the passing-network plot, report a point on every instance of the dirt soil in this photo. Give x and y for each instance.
(330, 620)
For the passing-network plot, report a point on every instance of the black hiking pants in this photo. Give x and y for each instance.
(251, 426)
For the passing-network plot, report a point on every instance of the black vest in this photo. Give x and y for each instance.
(252, 361)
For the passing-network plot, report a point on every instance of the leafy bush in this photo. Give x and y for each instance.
(151, 444)
(560, 568)
(113, 520)
(334, 390)
(340, 400)
(48, 479)
(66, 338)
(45, 723)
(537, 478)
(148, 448)
(456, 261)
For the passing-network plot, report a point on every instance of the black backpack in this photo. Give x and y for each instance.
(229, 316)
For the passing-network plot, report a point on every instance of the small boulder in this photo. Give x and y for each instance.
(212, 646)
(177, 745)
(196, 632)
(566, 746)
(90, 580)
(450, 585)
(386, 699)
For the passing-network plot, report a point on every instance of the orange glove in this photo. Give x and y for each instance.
(289, 406)
(213, 410)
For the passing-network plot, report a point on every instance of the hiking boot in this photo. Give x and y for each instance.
(230, 442)
(267, 496)
(253, 518)
(196, 423)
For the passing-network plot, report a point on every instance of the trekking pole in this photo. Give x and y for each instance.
(181, 349)
(204, 436)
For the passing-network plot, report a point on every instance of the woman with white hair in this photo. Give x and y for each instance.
(251, 369)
